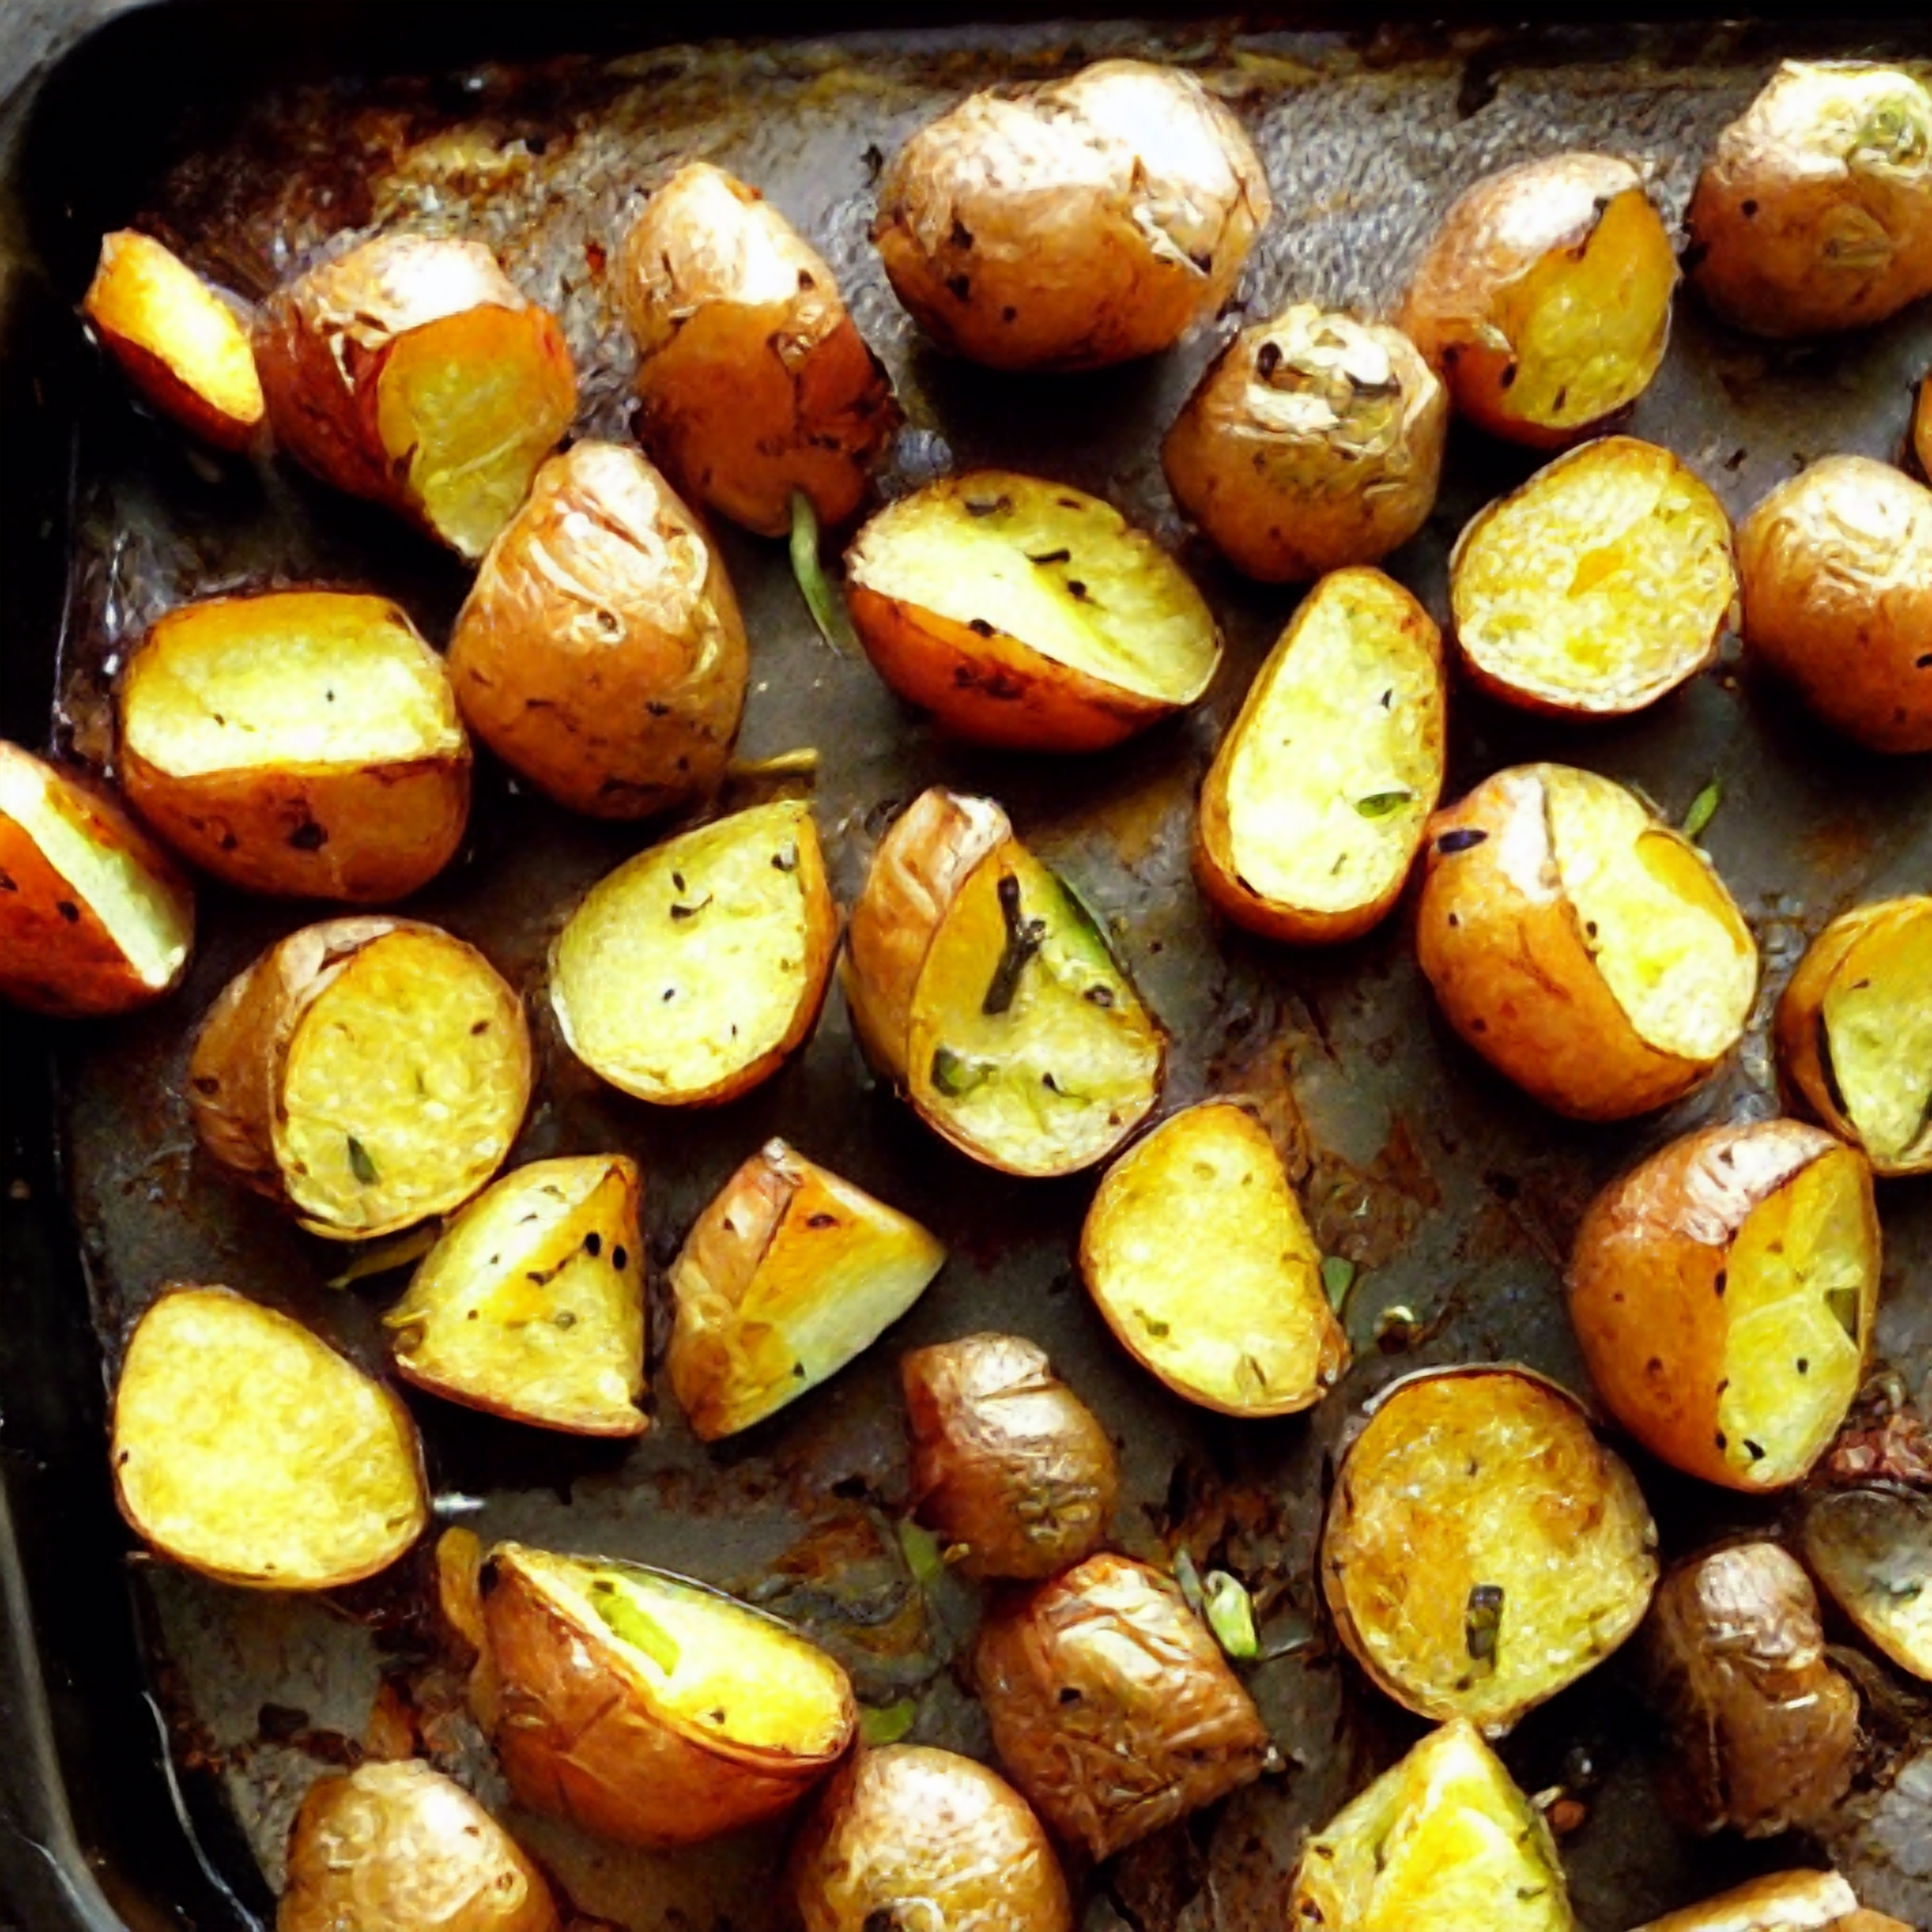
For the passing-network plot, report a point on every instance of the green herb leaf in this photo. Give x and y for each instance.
(887, 1724)
(1025, 938)
(628, 1622)
(1160, 1330)
(1338, 1277)
(827, 608)
(389, 1255)
(1232, 1614)
(953, 1075)
(923, 1556)
(359, 1163)
(1703, 808)
(1378, 804)
(1482, 1628)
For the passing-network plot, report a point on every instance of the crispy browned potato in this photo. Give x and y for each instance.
(600, 651)
(1483, 1549)
(1836, 568)
(1814, 212)
(1782, 1902)
(1583, 948)
(754, 381)
(303, 742)
(1724, 1292)
(1604, 582)
(401, 1848)
(364, 1074)
(94, 917)
(1872, 1549)
(909, 1834)
(246, 1448)
(1313, 442)
(1314, 807)
(180, 344)
(1544, 301)
(412, 371)
(1009, 1466)
(1113, 1707)
(787, 1275)
(1088, 221)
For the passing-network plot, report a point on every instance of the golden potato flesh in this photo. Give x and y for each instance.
(1814, 212)
(1483, 1549)
(1872, 1550)
(401, 1848)
(1544, 301)
(94, 916)
(1443, 1842)
(1782, 1902)
(1313, 442)
(1584, 949)
(303, 743)
(1027, 613)
(182, 345)
(1724, 1292)
(1209, 1181)
(1603, 583)
(786, 1275)
(600, 651)
(246, 1448)
(1315, 804)
(689, 974)
(1837, 570)
(1111, 1706)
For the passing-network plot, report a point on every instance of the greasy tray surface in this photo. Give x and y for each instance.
(1455, 1198)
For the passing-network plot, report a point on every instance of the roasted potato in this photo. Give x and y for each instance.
(532, 1304)
(1814, 212)
(1313, 442)
(1111, 1706)
(1443, 1842)
(401, 1848)
(1314, 805)
(1763, 1731)
(1483, 1549)
(1208, 1181)
(1837, 570)
(303, 743)
(754, 381)
(1088, 221)
(691, 973)
(600, 651)
(1583, 948)
(1723, 1292)
(1010, 1469)
(246, 1448)
(785, 1275)
(979, 983)
(94, 916)
(912, 1836)
(1783, 1902)
(648, 1708)
(1543, 300)
(412, 371)
(1027, 613)
(1921, 427)
(365, 1073)
(177, 339)
(1872, 1549)
(1603, 583)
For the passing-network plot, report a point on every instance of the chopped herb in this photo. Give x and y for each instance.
(1703, 808)
(1024, 936)
(1338, 1277)
(1482, 1626)
(1378, 804)
(359, 1163)
(1157, 1329)
(1052, 557)
(691, 912)
(631, 1624)
(827, 611)
(1463, 838)
(1230, 1614)
(566, 1318)
(887, 1724)
(955, 1076)
(922, 1556)
(386, 1255)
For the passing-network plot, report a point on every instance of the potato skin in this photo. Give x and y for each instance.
(600, 651)
(1090, 220)
(1780, 1902)
(1922, 428)
(1008, 1465)
(1837, 572)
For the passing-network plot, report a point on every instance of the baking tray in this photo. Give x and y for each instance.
(158, 1730)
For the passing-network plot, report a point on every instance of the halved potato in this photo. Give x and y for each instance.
(648, 1708)
(247, 1449)
(532, 1304)
(687, 975)
(179, 342)
(366, 1073)
(1724, 1292)
(1027, 613)
(298, 741)
(1584, 949)
(412, 371)
(1315, 804)
(94, 917)
(785, 1275)
(1483, 1549)
(1872, 1549)
(1604, 582)
(1209, 1181)
(1443, 1842)
(1781, 1902)
(1543, 300)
